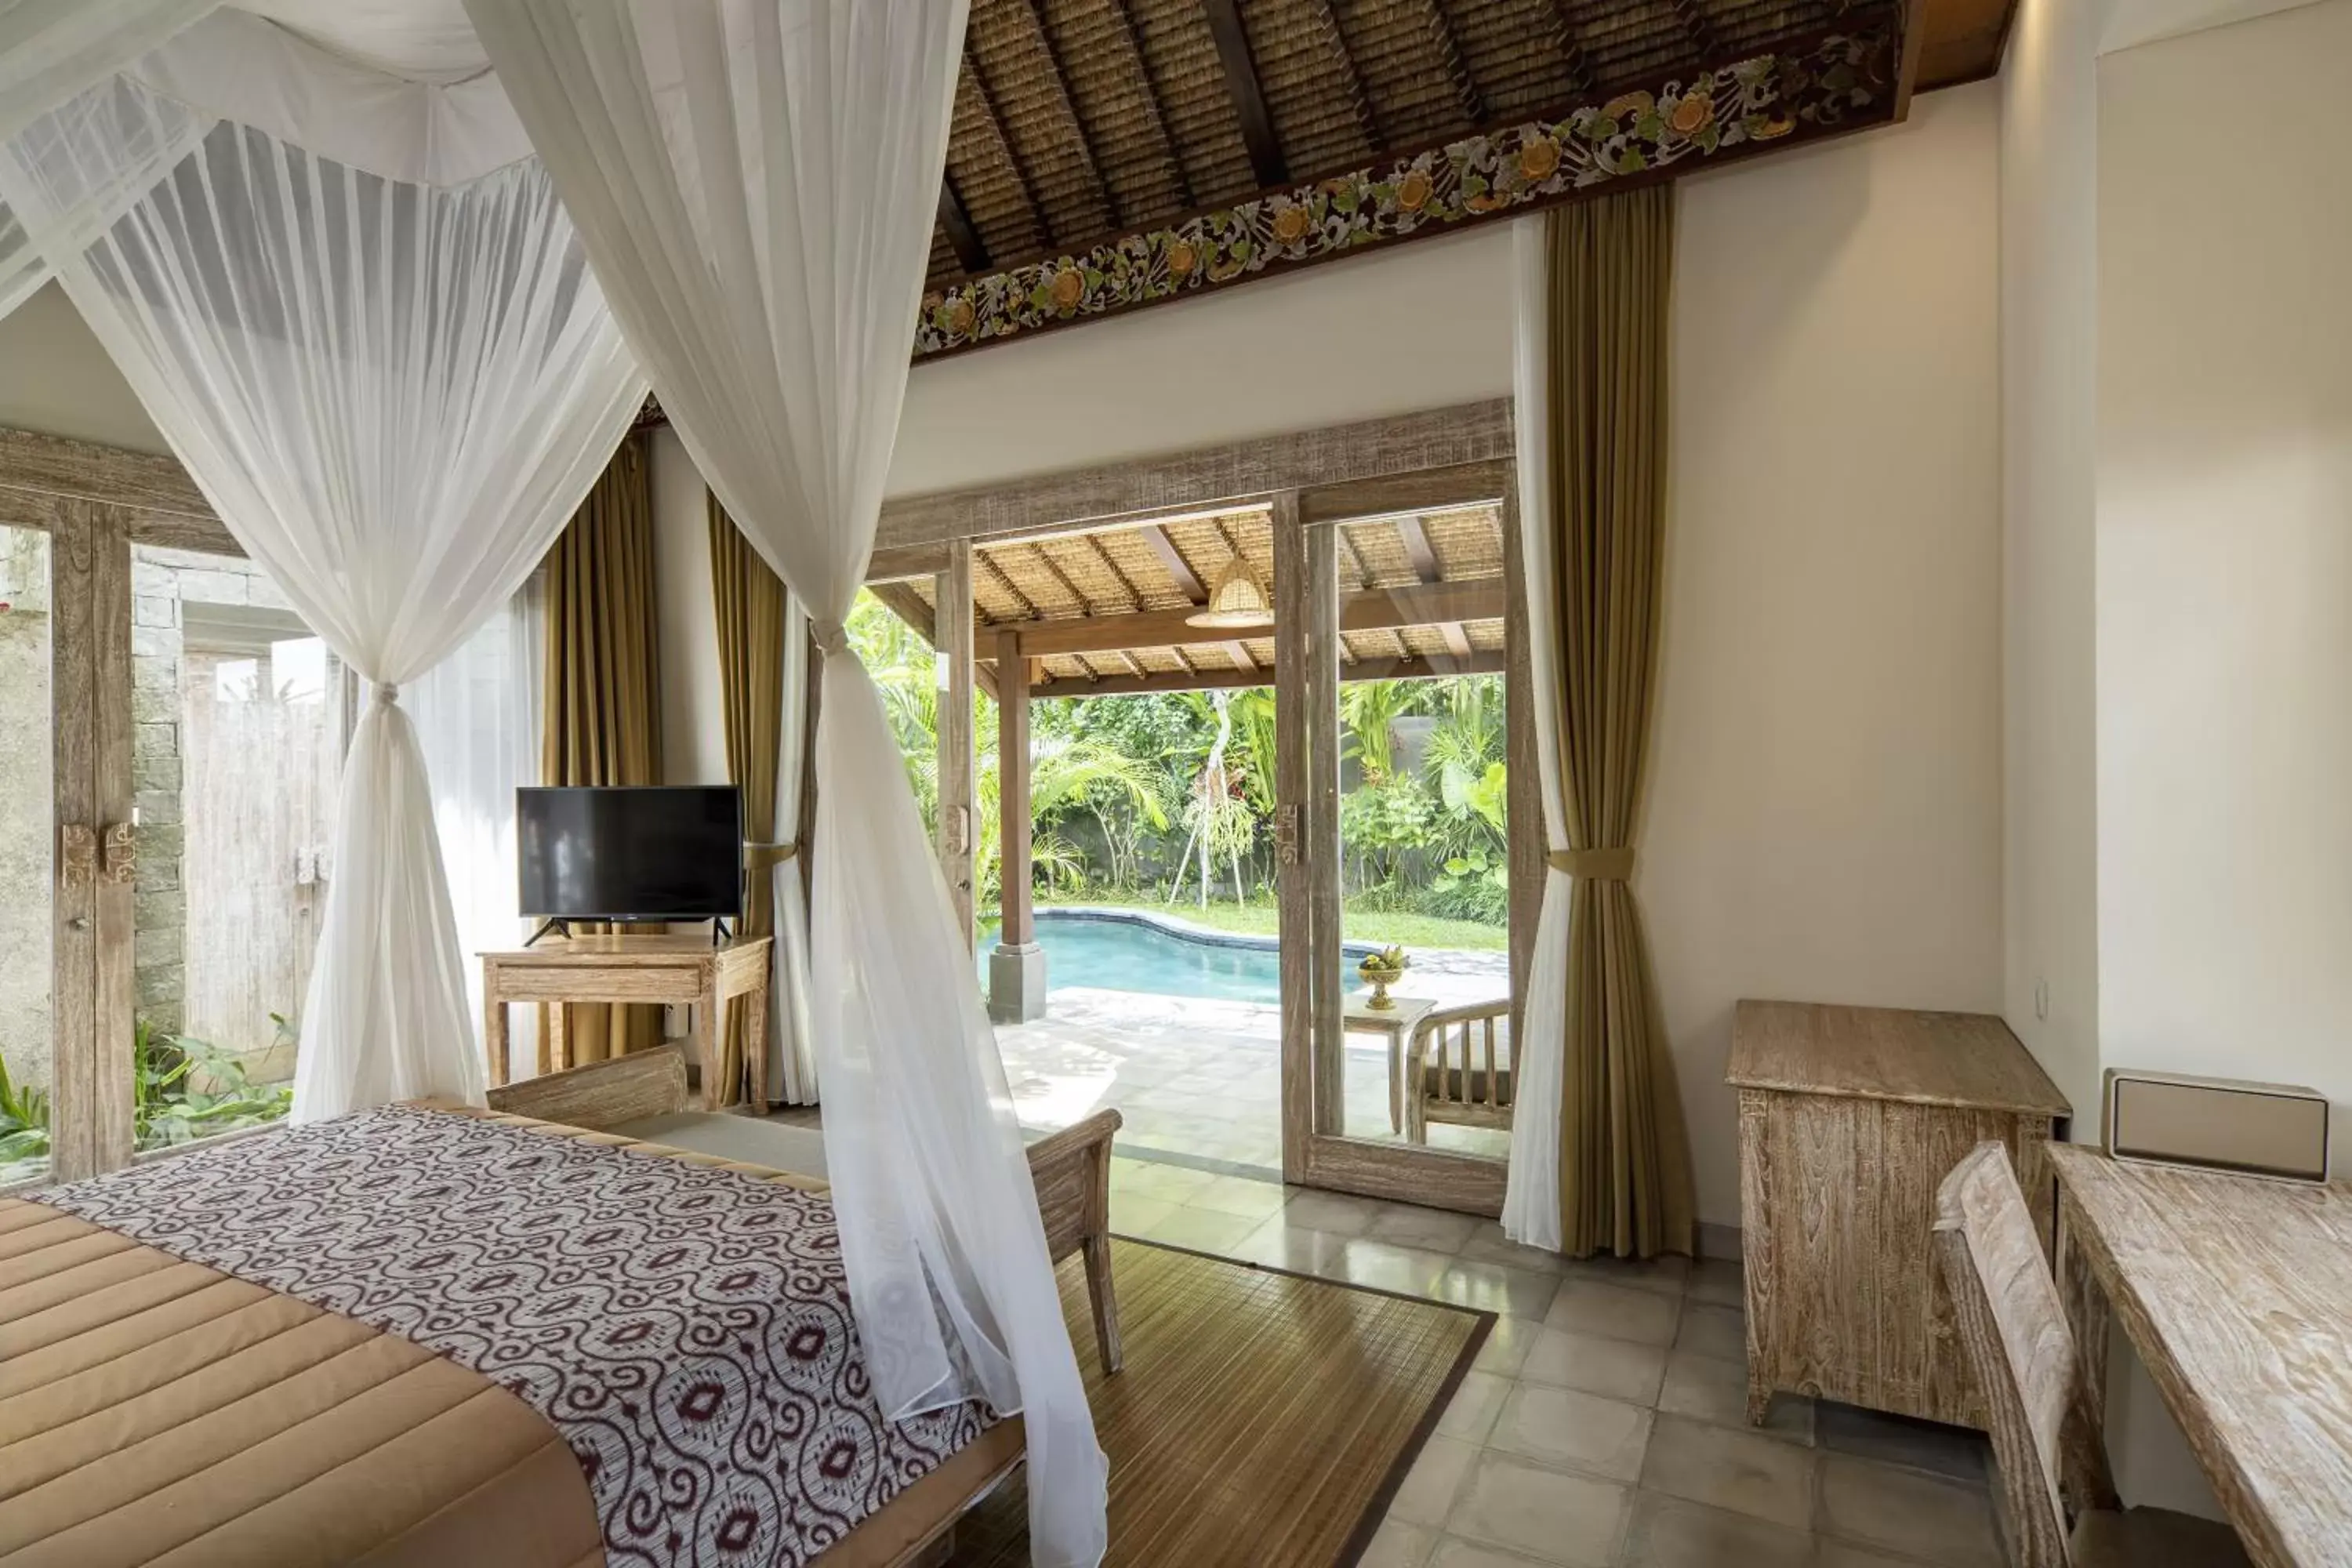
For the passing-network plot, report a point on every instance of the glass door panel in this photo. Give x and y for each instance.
(1396, 655)
(28, 847)
(239, 721)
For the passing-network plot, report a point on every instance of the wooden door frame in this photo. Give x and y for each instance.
(1307, 717)
(94, 502)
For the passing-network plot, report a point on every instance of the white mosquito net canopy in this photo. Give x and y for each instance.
(392, 276)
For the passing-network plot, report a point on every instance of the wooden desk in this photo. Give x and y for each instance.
(688, 969)
(1848, 1119)
(1359, 1017)
(2236, 1293)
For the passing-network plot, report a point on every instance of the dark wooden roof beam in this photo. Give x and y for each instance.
(987, 101)
(1375, 609)
(1413, 668)
(1693, 14)
(1153, 110)
(1267, 160)
(1456, 66)
(1180, 570)
(1112, 212)
(1571, 44)
(970, 254)
(1367, 117)
(1425, 566)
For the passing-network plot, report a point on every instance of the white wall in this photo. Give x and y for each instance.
(2049, 326)
(55, 379)
(2225, 558)
(693, 719)
(1825, 811)
(1425, 326)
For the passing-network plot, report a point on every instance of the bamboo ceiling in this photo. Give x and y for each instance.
(1128, 587)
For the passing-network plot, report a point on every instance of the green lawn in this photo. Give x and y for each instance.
(1260, 920)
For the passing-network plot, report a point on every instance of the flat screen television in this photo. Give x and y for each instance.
(657, 853)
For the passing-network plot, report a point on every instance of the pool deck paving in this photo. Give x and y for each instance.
(1198, 1081)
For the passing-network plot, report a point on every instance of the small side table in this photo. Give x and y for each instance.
(688, 970)
(1396, 1022)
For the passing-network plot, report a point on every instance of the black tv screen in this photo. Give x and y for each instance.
(631, 854)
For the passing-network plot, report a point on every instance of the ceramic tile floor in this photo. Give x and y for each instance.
(1201, 1079)
(1604, 1421)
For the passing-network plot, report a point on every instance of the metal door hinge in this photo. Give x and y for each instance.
(1285, 835)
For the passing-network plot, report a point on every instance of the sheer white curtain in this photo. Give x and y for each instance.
(1531, 1197)
(756, 182)
(792, 1045)
(477, 717)
(51, 50)
(393, 394)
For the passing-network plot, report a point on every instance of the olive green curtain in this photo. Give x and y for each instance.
(601, 717)
(750, 601)
(1624, 1157)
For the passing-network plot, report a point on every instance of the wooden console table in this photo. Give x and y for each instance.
(1848, 1119)
(688, 969)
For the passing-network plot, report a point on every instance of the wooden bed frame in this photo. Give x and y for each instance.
(1070, 1169)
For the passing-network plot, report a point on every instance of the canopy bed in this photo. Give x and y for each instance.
(392, 304)
(284, 1302)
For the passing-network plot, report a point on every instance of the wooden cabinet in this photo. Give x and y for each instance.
(1848, 1119)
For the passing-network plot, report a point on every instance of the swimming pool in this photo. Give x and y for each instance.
(1125, 950)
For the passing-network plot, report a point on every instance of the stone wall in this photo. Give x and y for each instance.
(27, 823)
(164, 583)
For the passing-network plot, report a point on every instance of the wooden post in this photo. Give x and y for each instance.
(1020, 926)
(1016, 968)
(951, 633)
(75, 792)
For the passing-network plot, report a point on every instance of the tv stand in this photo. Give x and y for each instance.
(680, 969)
(559, 926)
(720, 934)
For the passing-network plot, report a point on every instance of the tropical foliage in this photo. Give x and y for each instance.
(1125, 790)
(186, 1089)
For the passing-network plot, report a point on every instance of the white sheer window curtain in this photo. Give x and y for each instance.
(1532, 1194)
(477, 715)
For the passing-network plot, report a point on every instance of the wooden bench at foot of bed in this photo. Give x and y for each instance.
(1070, 1169)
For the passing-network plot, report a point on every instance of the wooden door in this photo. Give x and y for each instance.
(1319, 1146)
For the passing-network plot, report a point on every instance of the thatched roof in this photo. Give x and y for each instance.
(1424, 594)
(1077, 119)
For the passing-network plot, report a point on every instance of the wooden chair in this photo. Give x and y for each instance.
(2015, 1332)
(1453, 1078)
(1070, 1169)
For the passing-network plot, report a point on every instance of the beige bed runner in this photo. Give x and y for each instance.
(153, 1410)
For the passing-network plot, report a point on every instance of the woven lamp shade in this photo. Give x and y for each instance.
(1236, 598)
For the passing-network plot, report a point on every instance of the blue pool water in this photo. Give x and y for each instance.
(1123, 953)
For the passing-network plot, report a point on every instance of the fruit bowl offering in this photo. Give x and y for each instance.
(1382, 969)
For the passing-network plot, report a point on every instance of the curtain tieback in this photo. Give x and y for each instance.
(1594, 865)
(832, 638)
(386, 692)
(761, 857)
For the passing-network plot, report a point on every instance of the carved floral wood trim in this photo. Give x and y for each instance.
(1844, 81)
